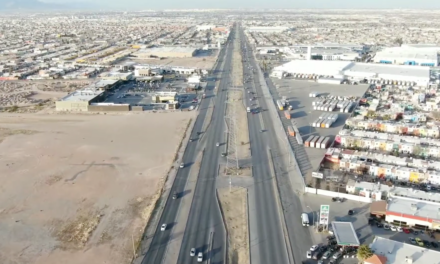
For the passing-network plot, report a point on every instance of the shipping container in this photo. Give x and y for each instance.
(313, 141)
(318, 142)
(291, 131)
(323, 123)
(315, 122)
(299, 139)
(328, 123)
(287, 114)
(307, 142)
(348, 108)
(296, 130)
(325, 143)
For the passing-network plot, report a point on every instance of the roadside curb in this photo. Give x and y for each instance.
(226, 256)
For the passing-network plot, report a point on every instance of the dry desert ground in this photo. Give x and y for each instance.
(75, 188)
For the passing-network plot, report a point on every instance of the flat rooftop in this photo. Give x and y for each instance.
(398, 252)
(168, 49)
(345, 234)
(415, 194)
(103, 83)
(82, 95)
(414, 208)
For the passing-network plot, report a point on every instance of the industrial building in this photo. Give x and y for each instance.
(373, 73)
(124, 76)
(166, 52)
(422, 56)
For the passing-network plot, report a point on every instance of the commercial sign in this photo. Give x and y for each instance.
(324, 214)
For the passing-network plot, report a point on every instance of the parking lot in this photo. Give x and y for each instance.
(297, 94)
(360, 220)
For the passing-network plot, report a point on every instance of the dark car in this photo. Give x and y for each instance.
(434, 244)
(350, 212)
(335, 199)
(379, 225)
(415, 232)
(427, 243)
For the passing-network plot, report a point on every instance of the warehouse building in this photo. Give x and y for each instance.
(166, 52)
(79, 100)
(422, 56)
(373, 73)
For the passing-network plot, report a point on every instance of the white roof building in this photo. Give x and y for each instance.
(422, 56)
(358, 71)
(398, 252)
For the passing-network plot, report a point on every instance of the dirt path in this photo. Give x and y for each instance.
(236, 108)
(234, 208)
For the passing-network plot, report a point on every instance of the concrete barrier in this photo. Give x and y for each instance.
(108, 108)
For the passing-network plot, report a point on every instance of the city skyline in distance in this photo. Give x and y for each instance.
(251, 4)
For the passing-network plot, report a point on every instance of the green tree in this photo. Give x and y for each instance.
(398, 41)
(364, 252)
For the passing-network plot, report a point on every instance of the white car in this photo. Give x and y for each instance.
(399, 229)
(163, 227)
(182, 165)
(314, 247)
(200, 257)
(393, 228)
(309, 254)
(217, 144)
(192, 253)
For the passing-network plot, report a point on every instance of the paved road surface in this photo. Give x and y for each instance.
(270, 247)
(205, 218)
(299, 236)
(204, 214)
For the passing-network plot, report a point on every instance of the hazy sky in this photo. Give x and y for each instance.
(190, 4)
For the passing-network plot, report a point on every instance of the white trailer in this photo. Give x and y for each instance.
(328, 123)
(348, 108)
(325, 143)
(313, 141)
(318, 142)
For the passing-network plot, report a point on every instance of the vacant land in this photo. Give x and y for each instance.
(235, 107)
(234, 206)
(76, 188)
(205, 63)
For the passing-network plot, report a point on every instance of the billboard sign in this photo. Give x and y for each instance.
(324, 214)
(317, 175)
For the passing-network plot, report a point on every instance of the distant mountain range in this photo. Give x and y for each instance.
(37, 5)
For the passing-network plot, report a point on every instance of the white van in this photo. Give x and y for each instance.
(305, 219)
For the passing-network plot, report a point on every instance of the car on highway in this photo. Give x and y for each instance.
(217, 144)
(182, 165)
(309, 254)
(350, 212)
(320, 262)
(163, 227)
(314, 247)
(200, 257)
(174, 196)
(419, 242)
(192, 252)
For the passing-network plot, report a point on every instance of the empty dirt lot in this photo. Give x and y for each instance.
(75, 188)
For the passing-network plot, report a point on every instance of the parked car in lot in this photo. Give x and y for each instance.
(337, 255)
(412, 241)
(327, 255)
(317, 255)
(434, 244)
(314, 247)
(386, 227)
(399, 229)
(419, 242)
(406, 230)
(350, 212)
(393, 228)
(426, 243)
(379, 225)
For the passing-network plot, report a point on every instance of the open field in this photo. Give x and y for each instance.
(76, 188)
(234, 207)
(236, 107)
(205, 63)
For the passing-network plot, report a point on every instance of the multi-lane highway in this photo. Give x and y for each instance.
(204, 216)
(205, 228)
(299, 236)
